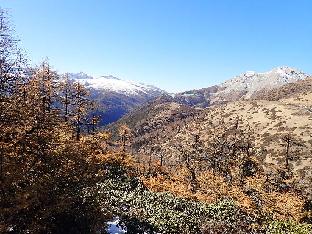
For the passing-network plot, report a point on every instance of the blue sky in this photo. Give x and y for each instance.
(174, 44)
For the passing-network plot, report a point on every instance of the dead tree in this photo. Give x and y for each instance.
(289, 142)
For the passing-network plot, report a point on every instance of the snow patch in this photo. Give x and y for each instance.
(250, 73)
(114, 228)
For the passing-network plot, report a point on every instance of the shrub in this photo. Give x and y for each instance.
(288, 227)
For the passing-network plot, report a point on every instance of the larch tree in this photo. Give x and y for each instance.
(292, 149)
(66, 92)
(12, 77)
(80, 105)
(42, 169)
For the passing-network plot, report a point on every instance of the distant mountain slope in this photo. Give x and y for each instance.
(170, 126)
(115, 96)
(118, 97)
(114, 84)
(251, 82)
(285, 91)
(155, 114)
(241, 87)
(266, 115)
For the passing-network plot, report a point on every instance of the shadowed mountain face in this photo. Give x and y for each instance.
(116, 97)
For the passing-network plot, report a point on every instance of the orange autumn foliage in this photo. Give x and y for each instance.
(212, 187)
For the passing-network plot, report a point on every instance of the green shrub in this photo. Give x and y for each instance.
(141, 209)
(288, 227)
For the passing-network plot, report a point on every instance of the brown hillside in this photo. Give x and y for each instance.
(285, 91)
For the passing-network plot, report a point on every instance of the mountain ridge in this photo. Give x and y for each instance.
(116, 84)
(118, 97)
(243, 86)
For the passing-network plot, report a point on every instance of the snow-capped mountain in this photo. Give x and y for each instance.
(116, 97)
(251, 82)
(243, 86)
(114, 84)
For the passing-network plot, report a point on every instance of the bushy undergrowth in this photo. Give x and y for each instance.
(142, 210)
(288, 227)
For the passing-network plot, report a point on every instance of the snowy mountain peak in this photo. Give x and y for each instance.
(115, 84)
(249, 73)
(285, 70)
(79, 76)
(110, 77)
(250, 81)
